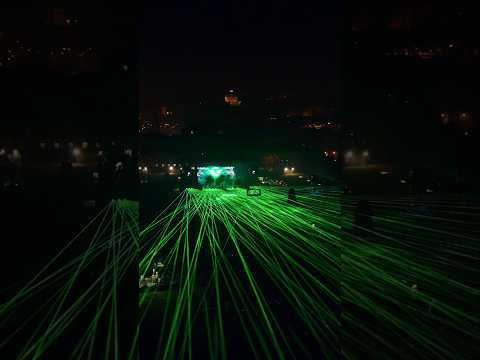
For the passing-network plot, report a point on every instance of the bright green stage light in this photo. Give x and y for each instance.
(208, 176)
(215, 172)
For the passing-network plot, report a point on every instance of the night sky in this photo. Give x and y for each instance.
(190, 50)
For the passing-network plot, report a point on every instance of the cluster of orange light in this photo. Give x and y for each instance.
(318, 126)
(232, 100)
(464, 119)
(331, 153)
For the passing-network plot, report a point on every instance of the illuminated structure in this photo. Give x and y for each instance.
(216, 176)
(232, 100)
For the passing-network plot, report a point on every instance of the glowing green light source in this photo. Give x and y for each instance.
(215, 172)
(216, 176)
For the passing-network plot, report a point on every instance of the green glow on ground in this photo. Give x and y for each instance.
(389, 277)
(409, 288)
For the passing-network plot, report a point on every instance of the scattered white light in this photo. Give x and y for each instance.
(170, 168)
(2, 152)
(16, 154)
(85, 145)
(76, 152)
(285, 170)
(365, 153)
(349, 154)
(293, 169)
(139, 168)
(42, 145)
(403, 181)
(429, 191)
(145, 168)
(128, 152)
(253, 171)
(125, 67)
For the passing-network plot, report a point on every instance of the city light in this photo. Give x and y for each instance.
(285, 170)
(16, 154)
(365, 153)
(170, 168)
(76, 152)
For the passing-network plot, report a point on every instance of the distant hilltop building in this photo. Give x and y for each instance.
(232, 100)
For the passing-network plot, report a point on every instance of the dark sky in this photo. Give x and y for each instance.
(195, 48)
